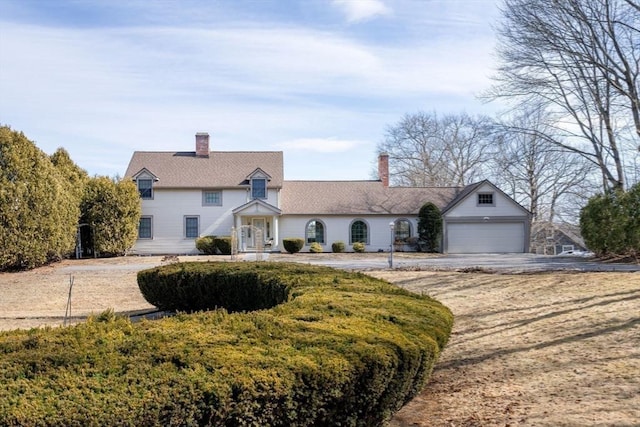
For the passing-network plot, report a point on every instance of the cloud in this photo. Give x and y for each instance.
(362, 10)
(321, 145)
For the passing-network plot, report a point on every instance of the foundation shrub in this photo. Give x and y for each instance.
(358, 247)
(205, 245)
(342, 348)
(293, 244)
(223, 245)
(315, 248)
(337, 247)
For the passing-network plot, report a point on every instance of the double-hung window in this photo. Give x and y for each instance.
(258, 188)
(145, 188)
(212, 198)
(145, 230)
(191, 227)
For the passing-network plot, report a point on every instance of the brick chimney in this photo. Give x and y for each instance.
(383, 168)
(202, 144)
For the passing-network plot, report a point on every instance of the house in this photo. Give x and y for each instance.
(186, 195)
(551, 238)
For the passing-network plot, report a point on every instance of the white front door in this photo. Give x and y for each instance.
(259, 230)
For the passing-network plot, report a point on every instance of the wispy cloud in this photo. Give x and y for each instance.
(362, 10)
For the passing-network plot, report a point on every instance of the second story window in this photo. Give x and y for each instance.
(145, 188)
(258, 188)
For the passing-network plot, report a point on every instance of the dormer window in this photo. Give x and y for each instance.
(145, 188)
(258, 188)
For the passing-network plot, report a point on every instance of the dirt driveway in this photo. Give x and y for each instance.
(543, 349)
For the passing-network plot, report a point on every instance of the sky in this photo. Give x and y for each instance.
(320, 80)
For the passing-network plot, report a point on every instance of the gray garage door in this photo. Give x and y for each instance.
(469, 238)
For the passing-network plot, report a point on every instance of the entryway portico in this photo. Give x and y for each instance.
(256, 226)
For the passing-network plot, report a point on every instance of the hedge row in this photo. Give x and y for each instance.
(342, 349)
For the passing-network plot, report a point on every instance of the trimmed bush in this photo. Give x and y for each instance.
(205, 245)
(213, 245)
(315, 248)
(337, 247)
(341, 349)
(358, 247)
(223, 245)
(293, 244)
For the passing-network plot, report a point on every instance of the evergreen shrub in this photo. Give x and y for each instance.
(205, 245)
(293, 244)
(335, 348)
(315, 248)
(223, 245)
(337, 247)
(358, 247)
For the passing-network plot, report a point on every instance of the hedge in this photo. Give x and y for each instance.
(341, 349)
(293, 244)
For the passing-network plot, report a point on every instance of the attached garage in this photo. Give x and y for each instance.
(485, 237)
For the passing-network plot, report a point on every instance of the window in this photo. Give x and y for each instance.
(258, 188)
(191, 228)
(402, 230)
(145, 188)
(359, 232)
(144, 228)
(315, 232)
(212, 198)
(485, 199)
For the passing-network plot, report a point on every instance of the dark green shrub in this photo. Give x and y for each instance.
(223, 245)
(206, 245)
(358, 247)
(38, 212)
(337, 247)
(610, 223)
(315, 248)
(214, 245)
(429, 227)
(293, 244)
(343, 349)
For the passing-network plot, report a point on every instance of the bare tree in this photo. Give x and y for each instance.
(538, 173)
(580, 59)
(427, 150)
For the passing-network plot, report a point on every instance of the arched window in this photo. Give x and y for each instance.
(315, 231)
(359, 232)
(402, 230)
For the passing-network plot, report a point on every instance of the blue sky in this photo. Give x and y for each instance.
(320, 80)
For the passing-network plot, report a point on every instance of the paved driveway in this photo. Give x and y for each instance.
(515, 263)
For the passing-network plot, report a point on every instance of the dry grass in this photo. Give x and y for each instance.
(551, 349)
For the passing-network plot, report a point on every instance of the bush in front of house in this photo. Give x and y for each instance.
(337, 247)
(429, 227)
(222, 245)
(341, 348)
(205, 245)
(315, 248)
(293, 244)
(214, 245)
(358, 247)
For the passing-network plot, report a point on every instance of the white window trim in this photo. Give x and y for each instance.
(151, 188)
(324, 232)
(493, 199)
(150, 217)
(204, 202)
(266, 190)
(184, 225)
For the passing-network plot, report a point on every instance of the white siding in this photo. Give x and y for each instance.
(168, 209)
(503, 206)
(337, 229)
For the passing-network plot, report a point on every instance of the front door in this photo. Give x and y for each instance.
(258, 234)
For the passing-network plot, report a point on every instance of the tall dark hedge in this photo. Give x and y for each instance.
(112, 209)
(38, 214)
(610, 223)
(429, 227)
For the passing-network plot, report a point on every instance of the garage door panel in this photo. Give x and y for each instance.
(485, 237)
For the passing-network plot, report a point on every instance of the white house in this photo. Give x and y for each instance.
(186, 195)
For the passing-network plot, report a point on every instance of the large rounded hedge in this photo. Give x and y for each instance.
(334, 348)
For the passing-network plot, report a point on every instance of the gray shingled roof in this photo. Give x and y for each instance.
(359, 198)
(222, 169)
